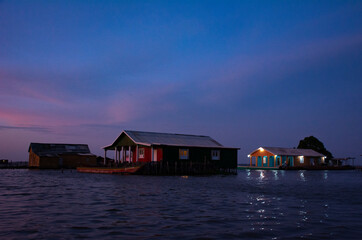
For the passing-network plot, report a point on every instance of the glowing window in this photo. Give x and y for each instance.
(141, 153)
(215, 154)
(184, 154)
(301, 159)
(265, 159)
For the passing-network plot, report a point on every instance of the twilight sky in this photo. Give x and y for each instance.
(247, 73)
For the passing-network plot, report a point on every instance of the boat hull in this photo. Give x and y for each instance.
(102, 170)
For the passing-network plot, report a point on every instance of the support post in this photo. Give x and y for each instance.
(122, 155)
(137, 153)
(251, 161)
(115, 154)
(275, 161)
(105, 157)
(119, 155)
(129, 154)
(125, 154)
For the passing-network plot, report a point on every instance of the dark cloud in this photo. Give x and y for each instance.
(29, 128)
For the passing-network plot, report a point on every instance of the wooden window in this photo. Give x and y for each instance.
(265, 159)
(184, 154)
(215, 154)
(141, 153)
(301, 159)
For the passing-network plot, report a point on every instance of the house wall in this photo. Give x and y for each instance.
(297, 162)
(65, 161)
(308, 161)
(148, 154)
(48, 162)
(261, 154)
(228, 157)
(33, 159)
(159, 154)
(296, 159)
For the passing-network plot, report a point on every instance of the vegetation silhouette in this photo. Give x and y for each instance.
(313, 143)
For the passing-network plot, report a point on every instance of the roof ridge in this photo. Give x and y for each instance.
(59, 143)
(280, 147)
(168, 133)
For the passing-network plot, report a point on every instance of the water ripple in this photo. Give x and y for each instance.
(253, 204)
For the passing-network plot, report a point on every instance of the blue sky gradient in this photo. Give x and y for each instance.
(248, 73)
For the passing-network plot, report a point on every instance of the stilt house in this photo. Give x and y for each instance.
(143, 147)
(276, 156)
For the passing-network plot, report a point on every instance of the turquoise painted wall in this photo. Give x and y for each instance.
(291, 161)
(284, 159)
(260, 163)
(271, 161)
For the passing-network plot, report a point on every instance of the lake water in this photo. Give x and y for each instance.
(46, 204)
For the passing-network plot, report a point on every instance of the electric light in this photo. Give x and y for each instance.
(261, 149)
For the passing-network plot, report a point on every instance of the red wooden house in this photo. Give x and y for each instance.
(143, 147)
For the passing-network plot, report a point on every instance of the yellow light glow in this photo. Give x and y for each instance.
(248, 155)
(276, 156)
(261, 149)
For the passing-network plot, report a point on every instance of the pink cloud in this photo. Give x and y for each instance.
(20, 86)
(139, 101)
(17, 117)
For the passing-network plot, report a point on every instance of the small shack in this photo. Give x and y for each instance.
(4, 161)
(54, 155)
(176, 151)
(291, 157)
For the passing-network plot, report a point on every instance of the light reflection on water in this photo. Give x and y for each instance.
(253, 204)
(262, 176)
(276, 174)
(302, 177)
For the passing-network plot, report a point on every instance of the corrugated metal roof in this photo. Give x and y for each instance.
(293, 152)
(169, 139)
(54, 149)
(172, 139)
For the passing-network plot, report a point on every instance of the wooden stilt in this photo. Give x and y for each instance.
(129, 154)
(105, 157)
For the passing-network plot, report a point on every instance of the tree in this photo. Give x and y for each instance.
(313, 143)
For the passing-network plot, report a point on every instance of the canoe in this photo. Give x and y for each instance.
(104, 170)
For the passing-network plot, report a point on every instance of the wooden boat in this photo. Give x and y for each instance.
(105, 170)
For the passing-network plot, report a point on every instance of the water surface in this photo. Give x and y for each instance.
(46, 204)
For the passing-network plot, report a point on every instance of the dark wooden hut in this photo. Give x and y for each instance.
(53, 155)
